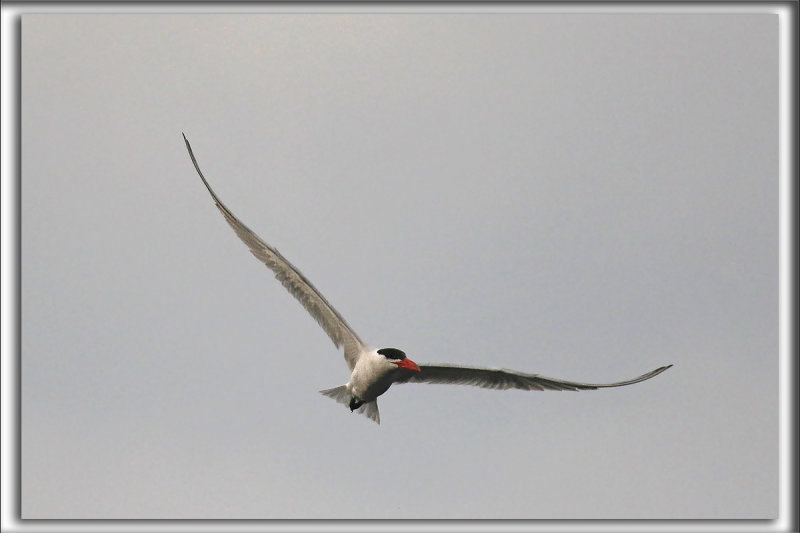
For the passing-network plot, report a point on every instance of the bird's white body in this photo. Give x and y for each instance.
(371, 376)
(374, 371)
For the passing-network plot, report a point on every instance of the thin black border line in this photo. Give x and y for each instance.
(792, 289)
(16, 275)
(570, 5)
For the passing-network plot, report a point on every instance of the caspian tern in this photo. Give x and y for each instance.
(374, 371)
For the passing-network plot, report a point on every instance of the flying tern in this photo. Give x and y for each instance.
(373, 371)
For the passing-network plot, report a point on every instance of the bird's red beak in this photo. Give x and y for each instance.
(408, 364)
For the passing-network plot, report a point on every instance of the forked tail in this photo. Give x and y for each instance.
(341, 395)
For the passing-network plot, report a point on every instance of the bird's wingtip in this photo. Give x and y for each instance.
(660, 369)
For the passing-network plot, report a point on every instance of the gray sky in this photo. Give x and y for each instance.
(583, 196)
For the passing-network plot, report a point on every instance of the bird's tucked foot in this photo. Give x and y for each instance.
(355, 403)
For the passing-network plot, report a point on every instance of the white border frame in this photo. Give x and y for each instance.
(10, 276)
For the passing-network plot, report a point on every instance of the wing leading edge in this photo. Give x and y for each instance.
(292, 279)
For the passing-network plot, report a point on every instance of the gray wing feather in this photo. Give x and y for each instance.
(290, 277)
(502, 379)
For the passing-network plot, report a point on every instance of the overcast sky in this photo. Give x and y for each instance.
(587, 197)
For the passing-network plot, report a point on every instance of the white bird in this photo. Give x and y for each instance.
(374, 371)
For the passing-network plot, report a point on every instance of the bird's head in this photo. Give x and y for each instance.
(398, 357)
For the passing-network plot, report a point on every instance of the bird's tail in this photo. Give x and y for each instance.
(343, 396)
(370, 409)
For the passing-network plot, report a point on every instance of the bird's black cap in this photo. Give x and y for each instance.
(392, 353)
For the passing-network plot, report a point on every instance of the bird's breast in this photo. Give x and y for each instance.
(370, 378)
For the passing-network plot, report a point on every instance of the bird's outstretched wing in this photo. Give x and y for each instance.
(290, 277)
(491, 378)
